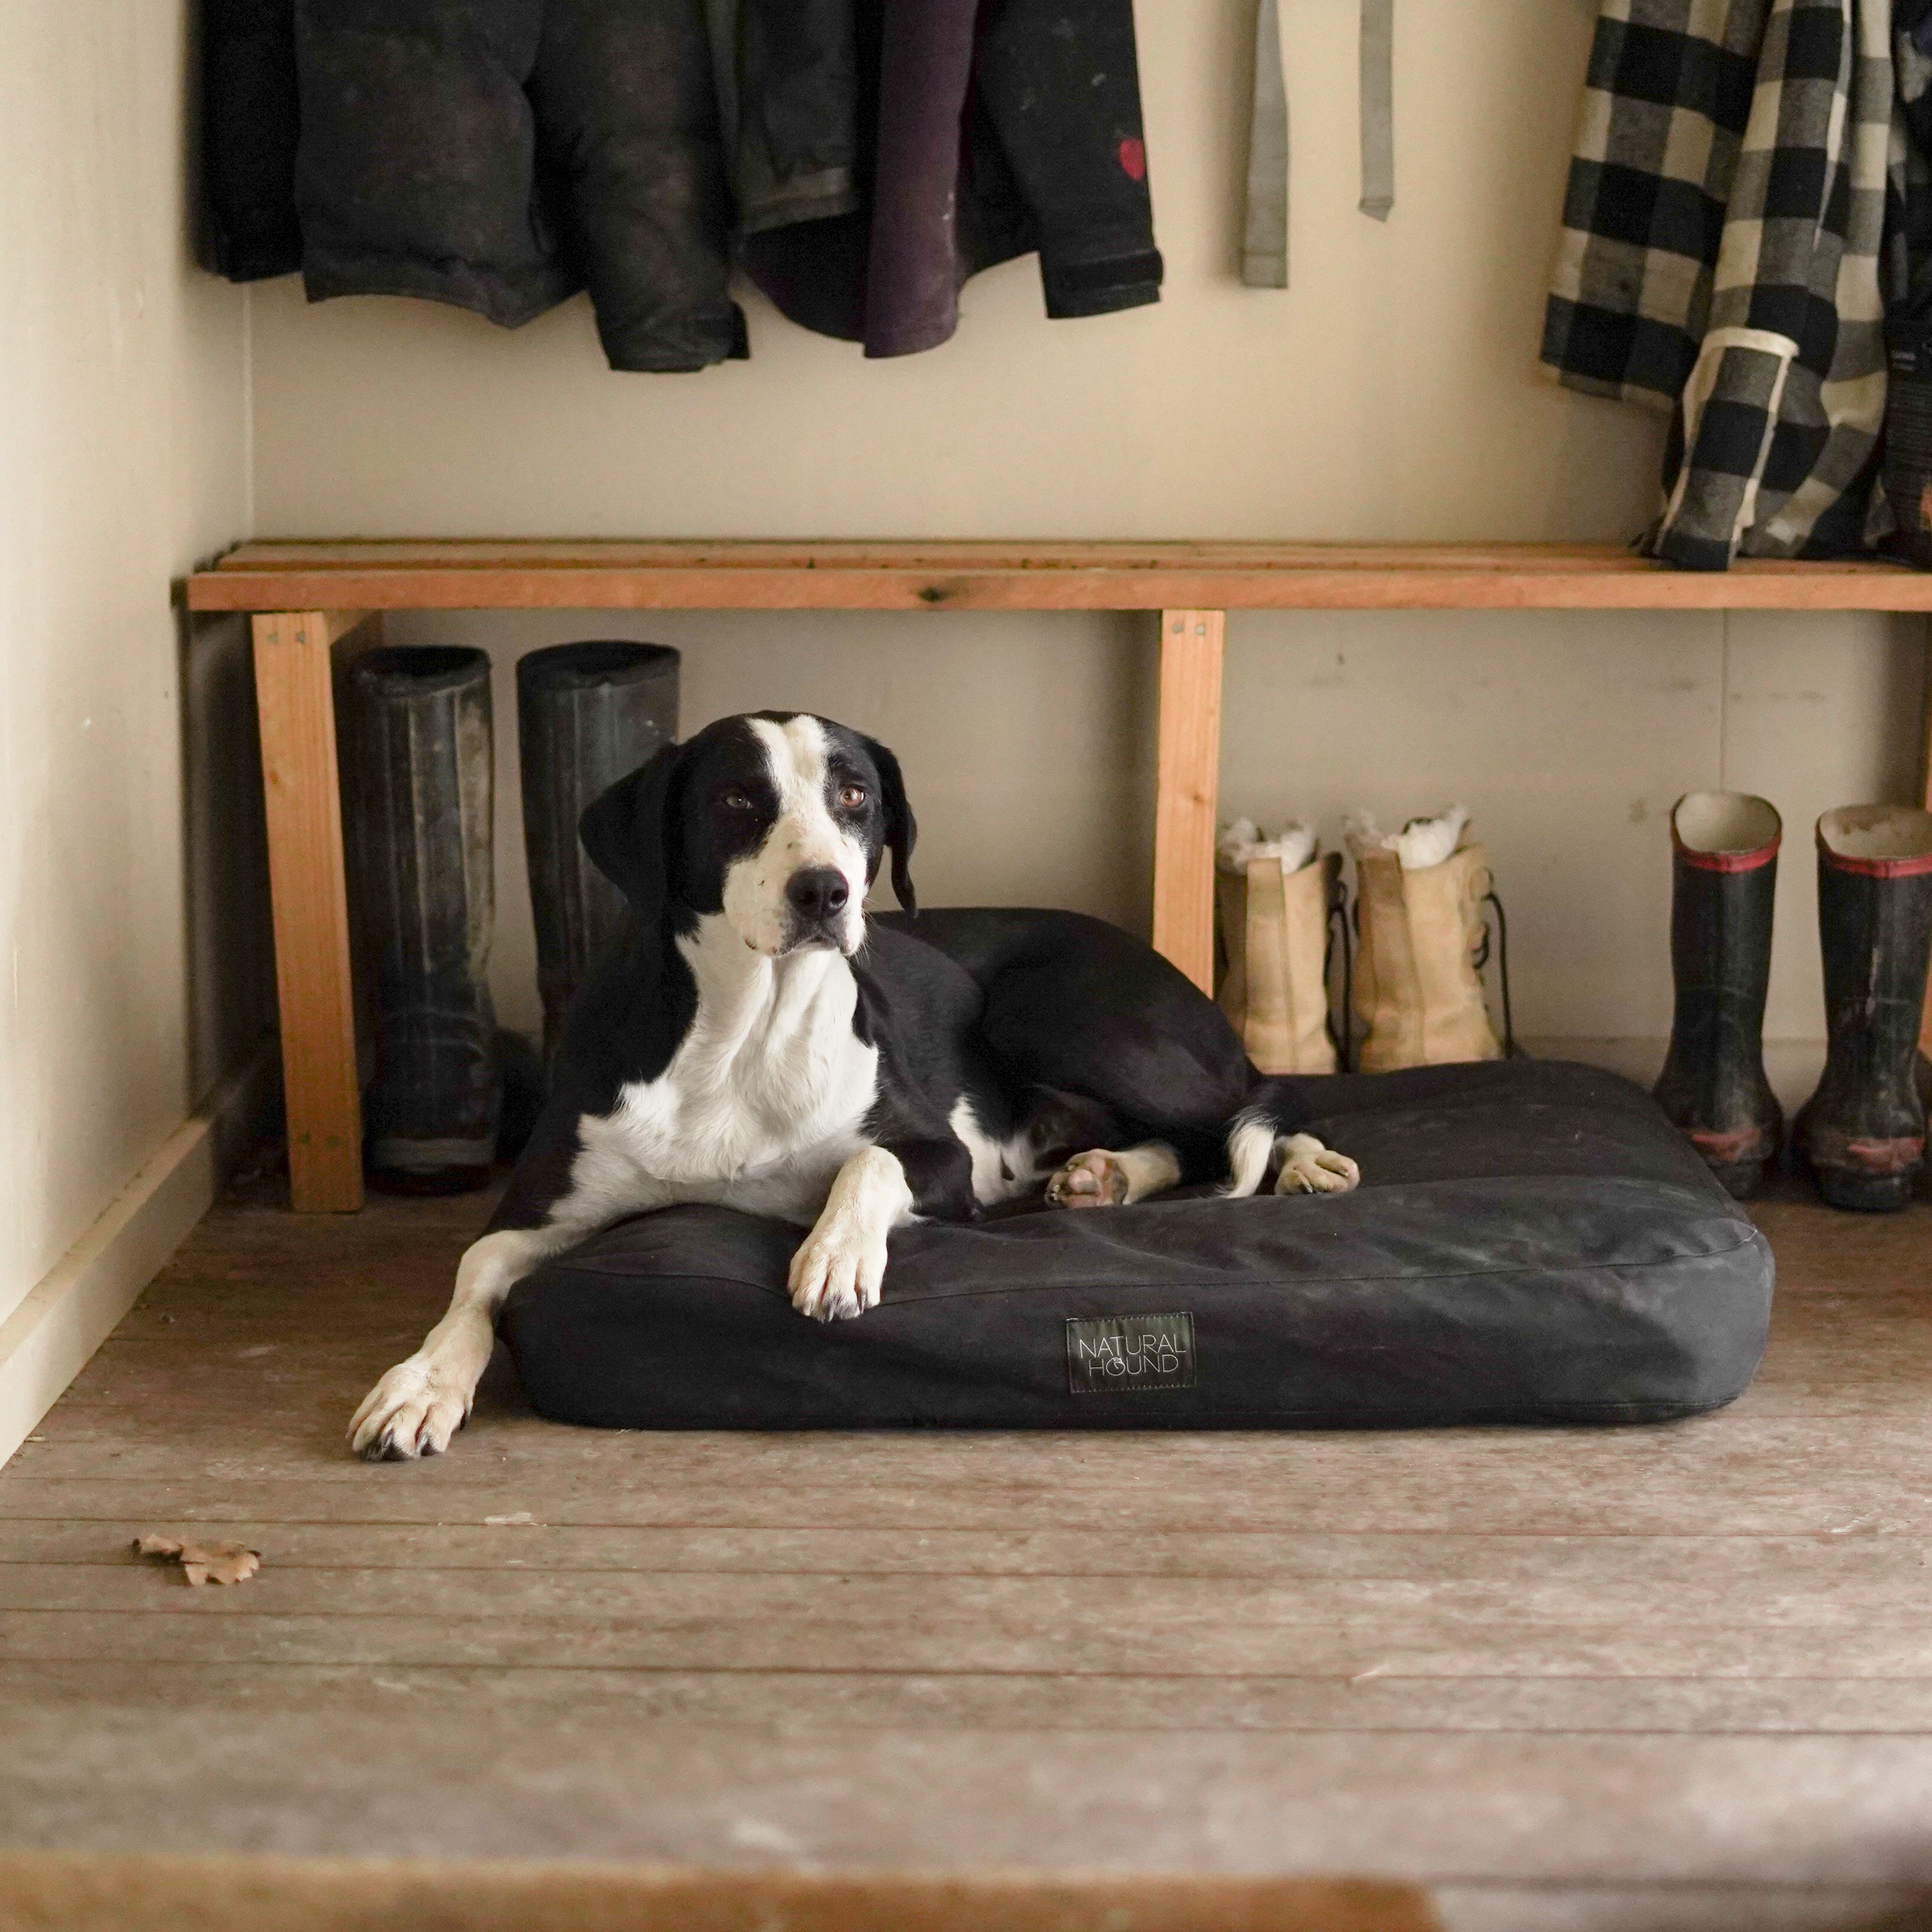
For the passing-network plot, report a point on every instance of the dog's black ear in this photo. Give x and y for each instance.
(901, 828)
(627, 831)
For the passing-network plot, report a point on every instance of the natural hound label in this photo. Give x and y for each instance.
(1125, 1353)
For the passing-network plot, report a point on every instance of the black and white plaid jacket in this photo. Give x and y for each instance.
(1719, 257)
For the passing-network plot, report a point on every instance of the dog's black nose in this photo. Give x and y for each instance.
(817, 892)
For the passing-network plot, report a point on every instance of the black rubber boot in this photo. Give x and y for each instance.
(1724, 853)
(420, 792)
(587, 714)
(1862, 1135)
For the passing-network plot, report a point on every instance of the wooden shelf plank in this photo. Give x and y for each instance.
(713, 574)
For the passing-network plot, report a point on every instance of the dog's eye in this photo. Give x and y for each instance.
(852, 797)
(737, 801)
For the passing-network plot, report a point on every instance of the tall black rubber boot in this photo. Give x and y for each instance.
(1724, 860)
(587, 714)
(420, 752)
(1862, 1135)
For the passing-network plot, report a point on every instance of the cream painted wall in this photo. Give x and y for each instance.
(1392, 392)
(130, 869)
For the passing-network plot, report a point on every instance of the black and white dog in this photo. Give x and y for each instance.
(758, 1042)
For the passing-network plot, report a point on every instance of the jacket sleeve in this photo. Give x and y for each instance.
(627, 105)
(795, 148)
(418, 172)
(1782, 414)
(248, 133)
(1665, 96)
(913, 267)
(1061, 88)
(1719, 255)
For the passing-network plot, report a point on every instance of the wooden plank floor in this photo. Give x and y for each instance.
(1640, 1679)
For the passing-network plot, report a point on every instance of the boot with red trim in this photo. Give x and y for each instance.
(1724, 855)
(1862, 1134)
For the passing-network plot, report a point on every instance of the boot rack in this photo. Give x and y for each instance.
(313, 602)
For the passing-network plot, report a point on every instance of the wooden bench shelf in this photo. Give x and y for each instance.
(311, 601)
(700, 575)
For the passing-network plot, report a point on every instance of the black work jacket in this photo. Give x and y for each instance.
(861, 159)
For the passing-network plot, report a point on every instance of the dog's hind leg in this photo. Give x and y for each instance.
(1101, 1177)
(1309, 1167)
(1272, 1124)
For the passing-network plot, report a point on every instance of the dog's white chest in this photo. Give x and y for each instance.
(762, 1102)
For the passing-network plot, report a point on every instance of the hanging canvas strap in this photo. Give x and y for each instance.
(1378, 107)
(1264, 240)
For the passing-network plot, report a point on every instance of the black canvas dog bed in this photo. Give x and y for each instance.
(1532, 1242)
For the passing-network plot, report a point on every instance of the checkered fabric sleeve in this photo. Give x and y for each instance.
(1719, 256)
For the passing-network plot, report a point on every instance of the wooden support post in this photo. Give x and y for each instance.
(1925, 797)
(1189, 781)
(295, 694)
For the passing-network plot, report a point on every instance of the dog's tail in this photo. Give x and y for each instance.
(1275, 1108)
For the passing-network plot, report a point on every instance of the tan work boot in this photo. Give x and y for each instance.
(1418, 1000)
(1273, 897)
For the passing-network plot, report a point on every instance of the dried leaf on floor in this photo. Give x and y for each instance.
(202, 1562)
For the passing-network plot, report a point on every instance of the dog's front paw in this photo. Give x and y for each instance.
(413, 1411)
(1312, 1169)
(836, 1272)
(1095, 1179)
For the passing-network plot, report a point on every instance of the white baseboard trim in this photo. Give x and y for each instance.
(46, 1341)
